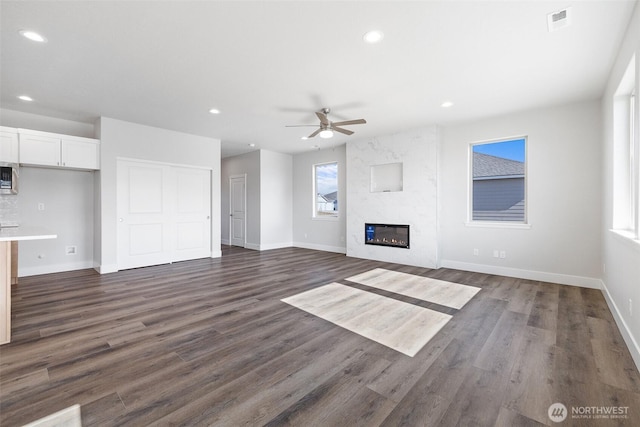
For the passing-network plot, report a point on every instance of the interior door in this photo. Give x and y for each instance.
(164, 213)
(142, 214)
(237, 225)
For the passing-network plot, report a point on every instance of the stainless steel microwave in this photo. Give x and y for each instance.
(8, 178)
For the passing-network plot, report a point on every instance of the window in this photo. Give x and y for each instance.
(626, 157)
(498, 186)
(325, 190)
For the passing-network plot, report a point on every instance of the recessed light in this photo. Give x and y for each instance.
(252, 145)
(374, 36)
(32, 35)
(25, 98)
(214, 111)
(446, 104)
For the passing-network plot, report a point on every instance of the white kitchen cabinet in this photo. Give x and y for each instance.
(9, 145)
(54, 150)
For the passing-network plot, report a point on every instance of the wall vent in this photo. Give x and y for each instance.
(559, 19)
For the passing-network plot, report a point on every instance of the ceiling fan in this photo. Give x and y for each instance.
(327, 127)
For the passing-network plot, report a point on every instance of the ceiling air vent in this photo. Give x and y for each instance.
(559, 19)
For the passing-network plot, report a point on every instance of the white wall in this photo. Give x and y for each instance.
(275, 200)
(120, 139)
(416, 205)
(621, 255)
(67, 197)
(308, 232)
(562, 244)
(248, 164)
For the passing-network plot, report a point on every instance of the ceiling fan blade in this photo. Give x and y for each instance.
(323, 118)
(350, 122)
(341, 130)
(315, 133)
(299, 126)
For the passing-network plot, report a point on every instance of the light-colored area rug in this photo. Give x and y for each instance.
(437, 291)
(68, 417)
(399, 325)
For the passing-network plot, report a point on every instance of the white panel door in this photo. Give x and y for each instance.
(192, 213)
(144, 231)
(237, 220)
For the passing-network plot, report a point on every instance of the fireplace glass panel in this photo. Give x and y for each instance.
(394, 235)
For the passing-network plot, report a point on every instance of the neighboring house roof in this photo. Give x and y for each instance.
(330, 197)
(487, 166)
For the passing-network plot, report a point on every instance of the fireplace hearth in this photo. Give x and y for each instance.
(394, 235)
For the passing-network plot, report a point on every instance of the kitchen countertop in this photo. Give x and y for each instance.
(25, 232)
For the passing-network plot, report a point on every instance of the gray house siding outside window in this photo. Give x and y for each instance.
(498, 189)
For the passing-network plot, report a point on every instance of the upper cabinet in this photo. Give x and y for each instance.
(8, 145)
(54, 150)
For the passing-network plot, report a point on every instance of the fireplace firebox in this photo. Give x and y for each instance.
(394, 235)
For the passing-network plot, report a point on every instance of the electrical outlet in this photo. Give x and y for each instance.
(503, 254)
(40, 206)
(496, 253)
(476, 252)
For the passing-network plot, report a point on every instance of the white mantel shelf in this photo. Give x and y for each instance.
(8, 235)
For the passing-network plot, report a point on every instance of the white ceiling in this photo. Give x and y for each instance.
(267, 64)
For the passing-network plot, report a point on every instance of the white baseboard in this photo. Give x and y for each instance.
(543, 276)
(632, 344)
(326, 248)
(57, 268)
(106, 268)
(275, 246)
(216, 254)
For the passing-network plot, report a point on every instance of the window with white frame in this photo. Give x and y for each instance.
(325, 190)
(498, 181)
(626, 156)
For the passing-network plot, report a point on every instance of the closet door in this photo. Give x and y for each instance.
(192, 213)
(143, 213)
(164, 213)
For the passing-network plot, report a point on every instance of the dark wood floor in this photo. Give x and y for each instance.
(208, 342)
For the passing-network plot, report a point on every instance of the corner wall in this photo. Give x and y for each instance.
(621, 255)
(249, 165)
(563, 177)
(309, 232)
(120, 139)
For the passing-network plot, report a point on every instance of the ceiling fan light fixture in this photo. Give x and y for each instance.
(26, 98)
(446, 104)
(327, 133)
(214, 111)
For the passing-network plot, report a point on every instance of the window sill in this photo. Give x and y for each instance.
(507, 225)
(627, 237)
(328, 218)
